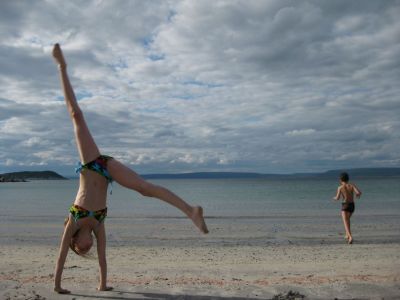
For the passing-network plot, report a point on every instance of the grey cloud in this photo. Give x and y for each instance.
(10, 109)
(165, 133)
(267, 86)
(29, 66)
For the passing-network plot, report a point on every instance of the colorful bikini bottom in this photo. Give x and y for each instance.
(78, 212)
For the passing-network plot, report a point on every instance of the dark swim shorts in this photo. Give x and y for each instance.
(348, 206)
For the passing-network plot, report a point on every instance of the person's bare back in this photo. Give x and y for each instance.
(347, 191)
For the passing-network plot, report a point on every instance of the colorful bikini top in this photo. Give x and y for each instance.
(78, 212)
(99, 165)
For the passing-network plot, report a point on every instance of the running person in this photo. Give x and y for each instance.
(346, 192)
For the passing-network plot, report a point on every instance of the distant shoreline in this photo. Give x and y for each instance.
(354, 173)
(331, 174)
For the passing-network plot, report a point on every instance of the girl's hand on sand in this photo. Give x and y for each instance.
(58, 56)
(106, 288)
(61, 290)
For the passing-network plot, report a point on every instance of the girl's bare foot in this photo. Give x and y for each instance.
(350, 240)
(198, 219)
(58, 56)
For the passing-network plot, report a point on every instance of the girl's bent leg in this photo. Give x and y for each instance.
(130, 179)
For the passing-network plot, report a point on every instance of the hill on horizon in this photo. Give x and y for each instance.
(354, 173)
(30, 175)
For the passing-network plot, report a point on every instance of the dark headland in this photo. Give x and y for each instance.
(29, 175)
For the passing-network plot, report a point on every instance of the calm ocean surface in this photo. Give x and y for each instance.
(236, 210)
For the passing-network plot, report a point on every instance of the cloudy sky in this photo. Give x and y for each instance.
(182, 86)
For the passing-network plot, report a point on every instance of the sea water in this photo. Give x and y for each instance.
(251, 211)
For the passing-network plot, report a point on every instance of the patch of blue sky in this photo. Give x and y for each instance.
(83, 94)
(79, 96)
(253, 120)
(185, 97)
(35, 41)
(156, 110)
(333, 92)
(119, 64)
(200, 83)
(358, 90)
(155, 57)
(147, 41)
(171, 15)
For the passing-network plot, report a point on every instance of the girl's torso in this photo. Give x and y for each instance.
(92, 193)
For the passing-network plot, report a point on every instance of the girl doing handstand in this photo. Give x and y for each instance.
(89, 209)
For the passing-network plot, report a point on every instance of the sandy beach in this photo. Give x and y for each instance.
(324, 271)
(298, 252)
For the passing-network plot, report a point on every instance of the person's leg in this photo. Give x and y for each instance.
(129, 179)
(87, 148)
(346, 223)
(350, 239)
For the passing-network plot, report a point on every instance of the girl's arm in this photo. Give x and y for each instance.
(69, 231)
(337, 197)
(101, 253)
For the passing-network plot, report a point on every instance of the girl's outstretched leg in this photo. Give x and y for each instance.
(87, 148)
(129, 179)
